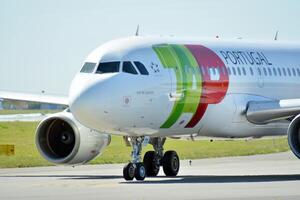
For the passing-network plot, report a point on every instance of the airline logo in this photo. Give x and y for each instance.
(201, 79)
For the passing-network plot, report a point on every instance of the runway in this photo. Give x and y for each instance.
(272, 177)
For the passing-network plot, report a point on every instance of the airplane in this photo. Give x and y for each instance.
(150, 88)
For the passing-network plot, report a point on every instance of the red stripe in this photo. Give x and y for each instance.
(213, 91)
(197, 116)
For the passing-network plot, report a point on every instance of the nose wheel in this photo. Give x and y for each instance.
(137, 171)
(140, 172)
(128, 172)
(152, 160)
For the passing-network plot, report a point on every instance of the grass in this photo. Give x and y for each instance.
(21, 134)
(12, 112)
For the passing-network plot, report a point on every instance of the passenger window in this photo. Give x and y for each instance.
(229, 71)
(239, 71)
(284, 72)
(270, 71)
(259, 71)
(244, 71)
(142, 69)
(265, 71)
(294, 72)
(233, 70)
(279, 71)
(251, 71)
(108, 67)
(289, 71)
(88, 67)
(274, 72)
(129, 68)
(298, 72)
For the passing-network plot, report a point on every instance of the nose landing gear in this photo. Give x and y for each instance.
(152, 160)
(135, 169)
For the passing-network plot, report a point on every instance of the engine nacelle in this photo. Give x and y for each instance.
(61, 139)
(294, 136)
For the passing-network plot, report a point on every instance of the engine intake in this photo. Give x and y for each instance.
(61, 139)
(294, 136)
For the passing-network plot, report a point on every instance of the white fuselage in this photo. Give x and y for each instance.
(200, 87)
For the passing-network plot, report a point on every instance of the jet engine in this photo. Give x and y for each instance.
(61, 139)
(294, 136)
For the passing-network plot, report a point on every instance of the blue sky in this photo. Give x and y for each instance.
(43, 43)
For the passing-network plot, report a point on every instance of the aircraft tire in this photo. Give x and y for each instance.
(152, 168)
(129, 172)
(171, 163)
(140, 172)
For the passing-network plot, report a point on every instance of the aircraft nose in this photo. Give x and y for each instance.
(89, 104)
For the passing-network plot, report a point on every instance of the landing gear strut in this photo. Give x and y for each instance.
(152, 160)
(135, 169)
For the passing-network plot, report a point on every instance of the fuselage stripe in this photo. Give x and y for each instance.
(213, 90)
(194, 89)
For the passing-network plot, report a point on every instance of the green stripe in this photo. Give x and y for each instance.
(169, 60)
(165, 56)
(180, 59)
(180, 89)
(194, 93)
(188, 66)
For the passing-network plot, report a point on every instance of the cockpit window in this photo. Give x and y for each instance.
(108, 67)
(129, 68)
(88, 67)
(142, 69)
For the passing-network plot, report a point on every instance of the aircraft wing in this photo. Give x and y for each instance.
(262, 112)
(31, 97)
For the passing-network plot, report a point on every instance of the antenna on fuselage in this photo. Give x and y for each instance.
(137, 30)
(276, 36)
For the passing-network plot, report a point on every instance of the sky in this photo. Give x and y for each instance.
(44, 43)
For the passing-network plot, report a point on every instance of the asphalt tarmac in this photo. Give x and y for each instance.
(272, 177)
